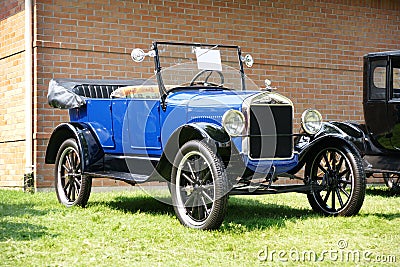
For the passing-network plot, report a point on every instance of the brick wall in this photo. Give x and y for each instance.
(311, 50)
(12, 119)
(9, 8)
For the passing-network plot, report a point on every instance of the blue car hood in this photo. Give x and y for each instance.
(209, 105)
(202, 97)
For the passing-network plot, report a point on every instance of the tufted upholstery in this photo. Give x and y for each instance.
(95, 91)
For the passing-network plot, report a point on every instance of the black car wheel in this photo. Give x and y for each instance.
(198, 186)
(393, 182)
(339, 177)
(72, 187)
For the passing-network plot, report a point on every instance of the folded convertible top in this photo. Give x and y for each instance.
(72, 93)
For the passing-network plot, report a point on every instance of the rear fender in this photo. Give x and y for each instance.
(89, 147)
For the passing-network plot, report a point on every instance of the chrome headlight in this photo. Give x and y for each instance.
(311, 121)
(233, 122)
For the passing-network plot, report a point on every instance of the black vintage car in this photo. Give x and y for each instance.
(381, 101)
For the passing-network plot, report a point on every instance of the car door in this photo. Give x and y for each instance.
(375, 101)
(394, 101)
(143, 119)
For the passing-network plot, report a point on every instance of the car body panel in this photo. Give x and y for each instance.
(381, 104)
(138, 127)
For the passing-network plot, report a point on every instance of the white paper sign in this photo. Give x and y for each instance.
(208, 59)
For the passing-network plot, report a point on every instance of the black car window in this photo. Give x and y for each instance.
(396, 82)
(395, 77)
(378, 83)
(380, 77)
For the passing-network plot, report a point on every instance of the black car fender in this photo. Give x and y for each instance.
(214, 135)
(331, 134)
(89, 147)
(371, 147)
(352, 132)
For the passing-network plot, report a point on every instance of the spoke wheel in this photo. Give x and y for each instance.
(198, 187)
(392, 181)
(72, 187)
(340, 173)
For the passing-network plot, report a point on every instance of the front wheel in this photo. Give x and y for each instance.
(339, 180)
(199, 186)
(72, 187)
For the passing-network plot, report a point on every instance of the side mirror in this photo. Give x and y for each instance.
(138, 54)
(248, 60)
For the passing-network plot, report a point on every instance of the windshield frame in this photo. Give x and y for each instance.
(158, 67)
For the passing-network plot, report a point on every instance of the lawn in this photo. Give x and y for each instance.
(131, 228)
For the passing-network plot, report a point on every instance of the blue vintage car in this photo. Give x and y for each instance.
(194, 121)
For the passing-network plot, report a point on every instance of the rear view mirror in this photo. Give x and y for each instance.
(248, 60)
(138, 54)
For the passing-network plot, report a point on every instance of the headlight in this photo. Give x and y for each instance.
(233, 122)
(311, 121)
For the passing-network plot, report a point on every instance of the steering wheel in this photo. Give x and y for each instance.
(205, 82)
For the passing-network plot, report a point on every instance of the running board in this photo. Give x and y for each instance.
(122, 176)
(275, 189)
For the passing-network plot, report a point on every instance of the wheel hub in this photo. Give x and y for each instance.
(332, 179)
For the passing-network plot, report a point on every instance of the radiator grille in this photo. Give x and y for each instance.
(271, 131)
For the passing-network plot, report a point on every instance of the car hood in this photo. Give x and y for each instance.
(210, 98)
(208, 105)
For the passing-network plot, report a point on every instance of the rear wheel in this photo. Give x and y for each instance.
(393, 182)
(198, 186)
(339, 172)
(72, 187)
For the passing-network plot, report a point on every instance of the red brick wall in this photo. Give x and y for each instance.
(12, 118)
(9, 8)
(311, 50)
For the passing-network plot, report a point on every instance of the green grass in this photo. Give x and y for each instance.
(131, 228)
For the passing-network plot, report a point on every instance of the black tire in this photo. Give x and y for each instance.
(339, 170)
(393, 182)
(72, 187)
(199, 187)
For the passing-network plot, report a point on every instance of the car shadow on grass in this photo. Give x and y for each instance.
(246, 214)
(136, 204)
(15, 225)
(251, 214)
(381, 191)
(20, 231)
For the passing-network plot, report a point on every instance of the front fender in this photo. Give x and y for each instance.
(331, 133)
(211, 133)
(89, 147)
(214, 135)
(343, 130)
(351, 132)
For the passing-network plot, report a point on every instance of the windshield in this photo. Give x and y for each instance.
(199, 66)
